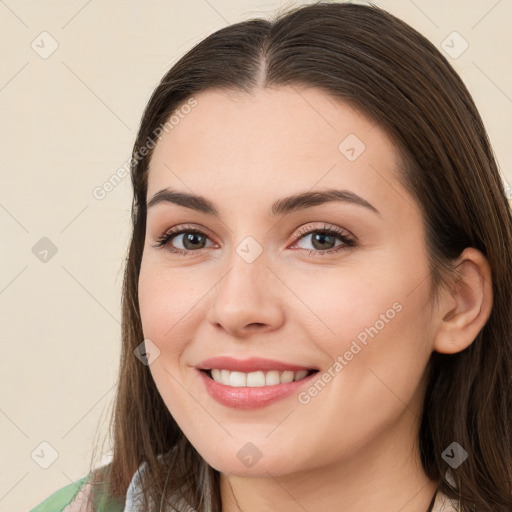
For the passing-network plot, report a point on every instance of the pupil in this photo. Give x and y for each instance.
(319, 239)
(191, 237)
(322, 237)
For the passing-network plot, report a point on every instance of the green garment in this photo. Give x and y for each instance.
(60, 499)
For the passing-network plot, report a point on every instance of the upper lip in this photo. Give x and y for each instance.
(253, 364)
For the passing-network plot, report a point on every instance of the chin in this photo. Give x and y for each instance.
(246, 462)
(234, 467)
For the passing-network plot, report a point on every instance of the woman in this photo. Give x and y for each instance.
(316, 306)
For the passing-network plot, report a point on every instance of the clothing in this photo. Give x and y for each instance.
(62, 499)
(432, 501)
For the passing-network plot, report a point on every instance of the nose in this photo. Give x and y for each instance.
(247, 299)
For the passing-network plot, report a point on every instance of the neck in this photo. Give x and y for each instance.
(384, 475)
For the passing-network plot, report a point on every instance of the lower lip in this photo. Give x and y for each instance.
(249, 397)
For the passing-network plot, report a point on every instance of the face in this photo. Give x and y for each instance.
(331, 294)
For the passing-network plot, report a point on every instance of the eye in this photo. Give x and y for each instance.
(191, 239)
(324, 239)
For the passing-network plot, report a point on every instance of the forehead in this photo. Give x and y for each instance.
(283, 140)
(287, 118)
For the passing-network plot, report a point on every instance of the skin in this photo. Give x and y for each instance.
(353, 447)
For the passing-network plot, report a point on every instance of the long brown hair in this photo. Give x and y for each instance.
(380, 65)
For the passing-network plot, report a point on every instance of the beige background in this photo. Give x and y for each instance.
(68, 123)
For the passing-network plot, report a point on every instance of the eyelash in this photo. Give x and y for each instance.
(164, 239)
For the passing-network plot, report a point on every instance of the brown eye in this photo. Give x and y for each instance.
(190, 239)
(323, 240)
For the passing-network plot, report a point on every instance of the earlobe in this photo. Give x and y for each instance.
(466, 305)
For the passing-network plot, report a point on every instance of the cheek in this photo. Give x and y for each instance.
(165, 302)
(377, 317)
(341, 304)
(166, 307)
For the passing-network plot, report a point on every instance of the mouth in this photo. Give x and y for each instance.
(252, 383)
(256, 379)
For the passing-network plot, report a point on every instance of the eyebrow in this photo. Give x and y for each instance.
(281, 207)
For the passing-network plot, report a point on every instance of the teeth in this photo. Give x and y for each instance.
(272, 378)
(300, 375)
(286, 377)
(237, 379)
(255, 379)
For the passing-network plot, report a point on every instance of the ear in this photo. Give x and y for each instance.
(466, 305)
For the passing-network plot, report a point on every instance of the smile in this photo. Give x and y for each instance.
(256, 379)
(252, 383)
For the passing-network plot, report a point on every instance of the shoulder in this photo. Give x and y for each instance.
(445, 504)
(78, 497)
(61, 498)
(135, 492)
